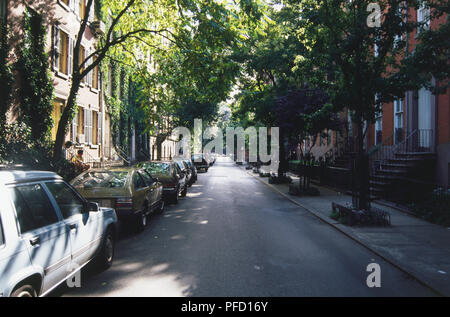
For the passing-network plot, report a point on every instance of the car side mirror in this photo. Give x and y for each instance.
(90, 206)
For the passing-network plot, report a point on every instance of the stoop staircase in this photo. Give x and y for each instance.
(395, 167)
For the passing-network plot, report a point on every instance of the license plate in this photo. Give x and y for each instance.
(105, 203)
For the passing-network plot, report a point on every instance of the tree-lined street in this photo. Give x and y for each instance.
(328, 119)
(234, 236)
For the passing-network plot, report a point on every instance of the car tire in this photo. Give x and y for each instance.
(141, 221)
(174, 199)
(184, 192)
(24, 291)
(105, 256)
(161, 207)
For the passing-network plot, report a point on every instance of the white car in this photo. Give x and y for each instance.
(48, 232)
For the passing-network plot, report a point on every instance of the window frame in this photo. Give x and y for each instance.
(423, 13)
(144, 172)
(49, 199)
(4, 8)
(136, 173)
(53, 199)
(398, 114)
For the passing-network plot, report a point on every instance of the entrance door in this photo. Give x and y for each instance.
(425, 131)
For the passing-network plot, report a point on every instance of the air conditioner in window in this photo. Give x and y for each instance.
(80, 138)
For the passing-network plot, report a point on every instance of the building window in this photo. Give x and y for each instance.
(74, 130)
(3, 11)
(95, 76)
(62, 51)
(95, 127)
(87, 126)
(58, 108)
(398, 121)
(423, 17)
(82, 9)
(80, 124)
(379, 130)
(82, 56)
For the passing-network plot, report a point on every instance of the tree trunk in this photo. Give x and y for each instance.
(282, 159)
(159, 142)
(362, 173)
(65, 119)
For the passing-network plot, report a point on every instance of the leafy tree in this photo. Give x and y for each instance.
(431, 54)
(36, 88)
(6, 78)
(140, 31)
(305, 112)
(355, 62)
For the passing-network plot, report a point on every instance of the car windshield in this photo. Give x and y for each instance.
(158, 168)
(181, 165)
(102, 179)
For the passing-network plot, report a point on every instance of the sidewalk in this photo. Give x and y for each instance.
(415, 246)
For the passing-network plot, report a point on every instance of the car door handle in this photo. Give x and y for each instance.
(35, 241)
(72, 226)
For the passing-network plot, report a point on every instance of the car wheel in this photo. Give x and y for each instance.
(175, 197)
(141, 221)
(24, 291)
(184, 192)
(106, 255)
(161, 207)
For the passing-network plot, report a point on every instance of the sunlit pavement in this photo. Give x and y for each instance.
(233, 236)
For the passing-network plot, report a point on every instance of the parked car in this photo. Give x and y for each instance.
(200, 162)
(171, 176)
(193, 169)
(133, 192)
(184, 167)
(48, 232)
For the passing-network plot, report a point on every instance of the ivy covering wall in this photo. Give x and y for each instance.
(6, 77)
(36, 88)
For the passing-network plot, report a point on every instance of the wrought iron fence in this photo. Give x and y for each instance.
(420, 140)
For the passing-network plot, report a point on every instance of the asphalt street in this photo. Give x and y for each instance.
(234, 236)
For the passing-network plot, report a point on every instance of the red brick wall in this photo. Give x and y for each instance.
(443, 118)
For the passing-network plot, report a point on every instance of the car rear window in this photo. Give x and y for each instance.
(158, 168)
(146, 176)
(33, 208)
(102, 179)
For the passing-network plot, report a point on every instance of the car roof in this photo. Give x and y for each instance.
(17, 176)
(148, 162)
(114, 169)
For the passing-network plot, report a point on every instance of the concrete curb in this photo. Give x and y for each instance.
(349, 235)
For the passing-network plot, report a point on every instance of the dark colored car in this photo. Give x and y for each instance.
(185, 169)
(170, 175)
(200, 162)
(193, 170)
